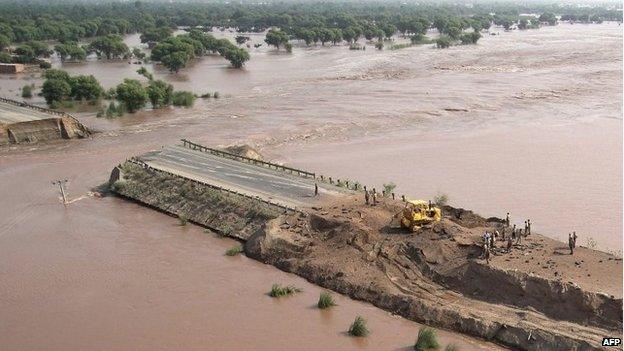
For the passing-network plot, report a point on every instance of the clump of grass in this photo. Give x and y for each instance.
(234, 250)
(451, 347)
(183, 98)
(183, 219)
(388, 189)
(427, 340)
(279, 291)
(358, 327)
(441, 199)
(325, 301)
(27, 91)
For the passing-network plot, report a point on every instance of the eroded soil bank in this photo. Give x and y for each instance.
(434, 276)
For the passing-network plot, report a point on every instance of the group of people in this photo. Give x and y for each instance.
(516, 234)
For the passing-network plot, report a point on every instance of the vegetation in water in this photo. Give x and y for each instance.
(280, 291)
(358, 327)
(183, 219)
(234, 250)
(325, 301)
(183, 98)
(427, 340)
(27, 91)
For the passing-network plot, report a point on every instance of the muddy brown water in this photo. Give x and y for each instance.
(523, 122)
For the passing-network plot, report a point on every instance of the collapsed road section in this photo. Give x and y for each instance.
(331, 234)
(24, 123)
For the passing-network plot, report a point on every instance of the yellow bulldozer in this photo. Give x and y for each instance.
(418, 213)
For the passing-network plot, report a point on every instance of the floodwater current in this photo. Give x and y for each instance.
(524, 122)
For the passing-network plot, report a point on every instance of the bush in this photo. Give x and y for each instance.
(325, 301)
(45, 65)
(27, 91)
(279, 291)
(389, 188)
(379, 45)
(234, 250)
(183, 98)
(358, 328)
(443, 42)
(215, 95)
(183, 219)
(440, 199)
(427, 340)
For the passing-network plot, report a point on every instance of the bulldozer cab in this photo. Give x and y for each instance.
(418, 213)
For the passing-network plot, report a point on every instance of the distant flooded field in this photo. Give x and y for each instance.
(524, 122)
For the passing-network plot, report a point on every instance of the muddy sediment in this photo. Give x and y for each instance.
(434, 276)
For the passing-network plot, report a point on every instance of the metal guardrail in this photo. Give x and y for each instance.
(257, 198)
(42, 109)
(195, 146)
(33, 107)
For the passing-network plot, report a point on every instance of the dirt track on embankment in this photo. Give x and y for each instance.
(434, 276)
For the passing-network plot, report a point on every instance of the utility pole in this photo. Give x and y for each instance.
(61, 184)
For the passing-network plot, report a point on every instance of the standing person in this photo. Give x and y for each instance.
(374, 196)
(366, 197)
(574, 238)
(315, 189)
(571, 243)
(528, 227)
(513, 232)
(486, 253)
(507, 219)
(509, 243)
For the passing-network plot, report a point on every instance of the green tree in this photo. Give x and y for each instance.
(237, 56)
(159, 93)
(4, 42)
(175, 61)
(443, 42)
(156, 34)
(5, 57)
(85, 88)
(111, 46)
(276, 37)
(132, 94)
(56, 74)
(55, 90)
(70, 50)
(241, 39)
(548, 17)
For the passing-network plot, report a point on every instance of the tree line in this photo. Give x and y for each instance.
(73, 20)
(59, 88)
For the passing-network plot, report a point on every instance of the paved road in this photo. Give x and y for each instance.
(269, 184)
(10, 113)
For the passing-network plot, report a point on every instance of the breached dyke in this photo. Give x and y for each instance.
(433, 276)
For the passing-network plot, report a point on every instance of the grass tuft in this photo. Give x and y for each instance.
(325, 301)
(279, 291)
(358, 328)
(427, 340)
(183, 220)
(234, 250)
(451, 347)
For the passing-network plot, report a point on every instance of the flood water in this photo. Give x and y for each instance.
(526, 122)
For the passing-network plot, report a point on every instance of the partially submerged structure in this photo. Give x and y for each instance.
(24, 123)
(325, 231)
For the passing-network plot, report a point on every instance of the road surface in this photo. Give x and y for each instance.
(269, 184)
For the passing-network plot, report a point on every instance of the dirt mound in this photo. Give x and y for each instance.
(434, 276)
(245, 151)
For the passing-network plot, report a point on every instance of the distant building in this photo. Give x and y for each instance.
(11, 68)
